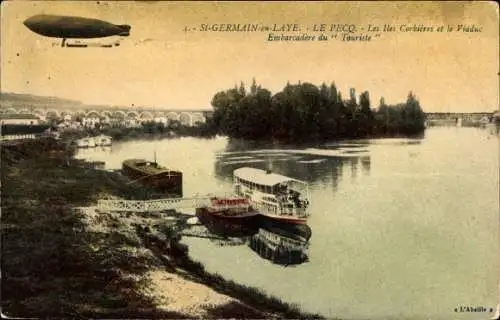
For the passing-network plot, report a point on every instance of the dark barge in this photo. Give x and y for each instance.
(154, 176)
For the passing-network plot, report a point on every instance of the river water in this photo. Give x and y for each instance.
(401, 228)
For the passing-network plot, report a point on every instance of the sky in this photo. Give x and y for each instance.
(161, 64)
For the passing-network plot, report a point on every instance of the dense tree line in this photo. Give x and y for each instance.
(305, 112)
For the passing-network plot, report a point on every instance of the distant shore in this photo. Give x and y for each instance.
(64, 259)
(148, 130)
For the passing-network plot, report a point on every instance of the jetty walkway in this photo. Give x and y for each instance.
(153, 205)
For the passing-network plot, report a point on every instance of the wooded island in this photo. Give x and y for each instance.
(305, 112)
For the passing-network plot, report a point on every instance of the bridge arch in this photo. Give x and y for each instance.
(25, 111)
(146, 115)
(119, 114)
(186, 119)
(106, 113)
(132, 114)
(172, 116)
(9, 110)
(197, 117)
(93, 114)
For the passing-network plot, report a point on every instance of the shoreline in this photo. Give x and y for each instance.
(78, 263)
(130, 134)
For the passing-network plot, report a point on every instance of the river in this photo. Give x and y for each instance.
(401, 228)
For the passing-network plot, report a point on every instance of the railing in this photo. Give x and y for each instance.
(152, 205)
(278, 240)
(17, 137)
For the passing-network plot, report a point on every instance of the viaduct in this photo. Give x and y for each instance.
(187, 117)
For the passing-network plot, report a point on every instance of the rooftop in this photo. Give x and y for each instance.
(262, 177)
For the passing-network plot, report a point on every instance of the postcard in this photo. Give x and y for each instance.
(172, 159)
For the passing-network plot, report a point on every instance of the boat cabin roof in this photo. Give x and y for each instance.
(138, 162)
(146, 166)
(263, 177)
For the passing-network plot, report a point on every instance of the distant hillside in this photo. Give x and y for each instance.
(23, 100)
(9, 99)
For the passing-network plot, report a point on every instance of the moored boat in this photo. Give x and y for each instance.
(229, 216)
(275, 196)
(83, 143)
(152, 175)
(102, 140)
(91, 143)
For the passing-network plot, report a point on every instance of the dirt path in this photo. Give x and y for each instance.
(170, 290)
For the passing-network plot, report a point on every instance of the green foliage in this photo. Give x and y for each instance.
(151, 129)
(401, 119)
(146, 130)
(52, 266)
(305, 112)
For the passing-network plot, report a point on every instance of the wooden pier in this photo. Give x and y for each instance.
(152, 205)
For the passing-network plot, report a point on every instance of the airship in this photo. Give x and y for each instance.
(72, 27)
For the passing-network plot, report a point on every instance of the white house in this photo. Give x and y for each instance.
(163, 120)
(90, 122)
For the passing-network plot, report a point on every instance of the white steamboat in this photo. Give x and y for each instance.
(274, 196)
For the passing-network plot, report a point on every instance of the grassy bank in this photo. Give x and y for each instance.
(50, 263)
(54, 265)
(179, 258)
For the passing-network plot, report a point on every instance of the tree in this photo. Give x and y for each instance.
(413, 116)
(364, 103)
(333, 93)
(253, 88)
(242, 89)
(305, 111)
(382, 103)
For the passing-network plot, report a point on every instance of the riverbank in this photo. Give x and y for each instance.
(146, 131)
(63, 261)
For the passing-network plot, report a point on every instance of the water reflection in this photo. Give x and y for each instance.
(280, 243)
(279, 249)
(317, 165)
(91, 153)
(366, 164)
(228, 227)
(493, 129)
